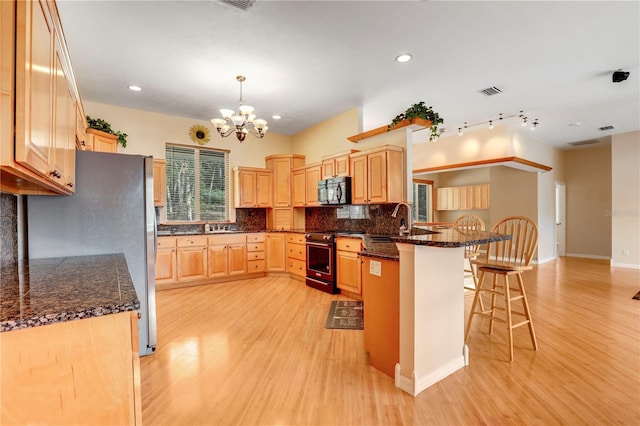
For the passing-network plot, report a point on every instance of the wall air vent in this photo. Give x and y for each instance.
(240, 4)
(589, 142)
(490, 91)
(605, 128)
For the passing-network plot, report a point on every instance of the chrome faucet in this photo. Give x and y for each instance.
(395, 213)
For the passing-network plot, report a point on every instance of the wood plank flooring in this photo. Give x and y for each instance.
(256, 352)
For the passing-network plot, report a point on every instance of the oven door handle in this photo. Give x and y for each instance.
(318, 244)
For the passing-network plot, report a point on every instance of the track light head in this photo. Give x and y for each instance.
(619, 76)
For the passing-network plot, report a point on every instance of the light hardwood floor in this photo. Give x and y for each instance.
(256, 352)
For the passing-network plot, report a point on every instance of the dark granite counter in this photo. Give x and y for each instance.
(46, 291)
(448, 237)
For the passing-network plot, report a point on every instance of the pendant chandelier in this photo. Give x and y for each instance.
(242, 122)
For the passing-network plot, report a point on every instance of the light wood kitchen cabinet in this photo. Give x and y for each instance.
(72, 372)
(305, 185)
(336, 164)
(227, 255)
(282, 185)
(256, 256)
(192, 258)
(252, 187)
(296, 255)
(378, 176)
(38, 95)
(81, 127)
(159, 182)
(463, 197)
(166, 271)
(481, 196)
(97, 140)
(381, 291)
(276, 251)
(348, 265)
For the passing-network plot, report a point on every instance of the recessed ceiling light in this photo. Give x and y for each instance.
(276, 117)
(576, 124)
(405, 57)
(135, 88)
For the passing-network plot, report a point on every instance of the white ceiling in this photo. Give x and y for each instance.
(310, 60)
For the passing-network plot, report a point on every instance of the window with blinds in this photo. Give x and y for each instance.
(198, 184)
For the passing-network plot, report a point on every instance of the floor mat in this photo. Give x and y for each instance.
(347, 315)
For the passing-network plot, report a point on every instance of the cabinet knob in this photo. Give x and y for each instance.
(70, 184)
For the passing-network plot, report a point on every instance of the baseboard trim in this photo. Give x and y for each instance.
(415, 385)
(588, 256)
(624, 265)
(548, 259)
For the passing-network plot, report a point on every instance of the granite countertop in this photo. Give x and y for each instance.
(46, 291)
(449, 237)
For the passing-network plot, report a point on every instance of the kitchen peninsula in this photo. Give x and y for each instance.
(432, 305)
(69, 338)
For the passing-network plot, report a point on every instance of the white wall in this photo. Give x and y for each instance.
(625, 200)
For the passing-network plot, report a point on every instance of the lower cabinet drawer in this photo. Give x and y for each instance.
(297, 251)
(297, 267)
(255, 255)
(256, 266)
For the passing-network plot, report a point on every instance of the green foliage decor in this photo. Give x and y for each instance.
(100, 124)
(419, 110)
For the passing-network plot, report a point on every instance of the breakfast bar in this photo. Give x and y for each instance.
(432, 305)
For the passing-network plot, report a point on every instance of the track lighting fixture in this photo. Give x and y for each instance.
(525, 122)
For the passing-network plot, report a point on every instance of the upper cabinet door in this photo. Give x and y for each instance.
(34, 87)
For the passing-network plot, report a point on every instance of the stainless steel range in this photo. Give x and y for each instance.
(321, 261)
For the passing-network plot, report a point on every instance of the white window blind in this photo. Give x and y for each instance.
(198, 184)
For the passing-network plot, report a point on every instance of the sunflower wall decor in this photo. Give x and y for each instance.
(199, 134)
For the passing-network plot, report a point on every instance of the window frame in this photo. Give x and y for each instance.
(197, 195)
(430, 198)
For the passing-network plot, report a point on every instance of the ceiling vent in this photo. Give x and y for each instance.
(605, 128)
(240, 4)
(490, 91)
(589, 142)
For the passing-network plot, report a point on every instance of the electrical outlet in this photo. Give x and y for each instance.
(625, 252)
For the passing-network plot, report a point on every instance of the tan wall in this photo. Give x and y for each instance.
(587, 173)
(330, 136)
(625, 206)
(149, 131)
(513, 193)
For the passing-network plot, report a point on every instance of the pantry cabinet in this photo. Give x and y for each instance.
(282, 185)
(41, 97)
(252, 187)
(378, 176)
(305, 185)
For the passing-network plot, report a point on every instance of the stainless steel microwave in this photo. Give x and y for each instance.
(335, 191)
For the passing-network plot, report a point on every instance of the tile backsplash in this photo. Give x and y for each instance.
(379, 219)
(9, 228)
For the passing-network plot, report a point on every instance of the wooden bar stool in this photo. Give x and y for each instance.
(466, 224)
(507, 258)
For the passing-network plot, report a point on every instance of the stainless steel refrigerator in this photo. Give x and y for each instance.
(111, 211)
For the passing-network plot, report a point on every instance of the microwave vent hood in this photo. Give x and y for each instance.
(335, 191)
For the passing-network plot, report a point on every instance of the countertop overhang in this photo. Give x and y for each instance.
(45, 291)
